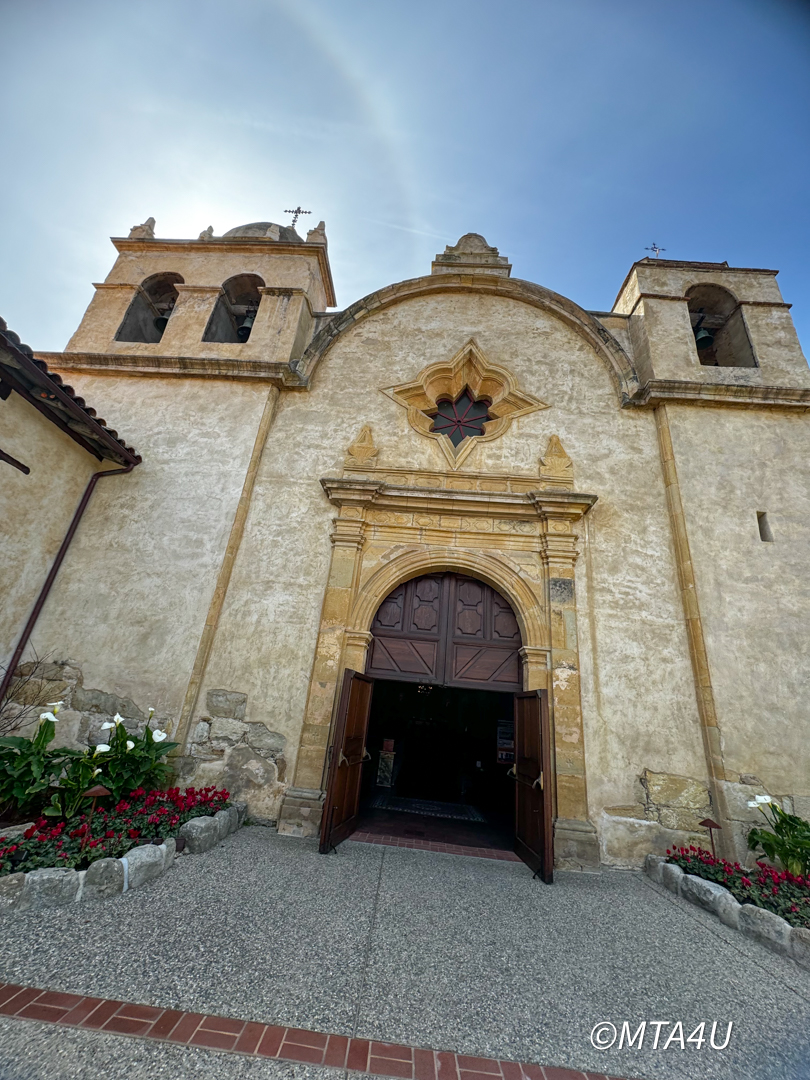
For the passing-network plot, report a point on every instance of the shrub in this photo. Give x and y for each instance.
(108, 833)
(28, 768)
(782, 892)
(789, 840)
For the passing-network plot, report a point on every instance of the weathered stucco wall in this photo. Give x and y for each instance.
(638, 695)
(35, 510)
(130, 601)
(754, 596)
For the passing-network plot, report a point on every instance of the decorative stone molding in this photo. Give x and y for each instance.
(362, 452)
(556, 467)
(521, 542)
(469, 368)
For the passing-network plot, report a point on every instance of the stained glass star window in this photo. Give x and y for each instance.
(463, 418)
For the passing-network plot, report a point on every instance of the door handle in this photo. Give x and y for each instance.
(342, 760)
(366, 755)
(512, 773)
(539, 781)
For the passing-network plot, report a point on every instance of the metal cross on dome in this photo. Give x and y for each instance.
(296, 213)
(461, 419)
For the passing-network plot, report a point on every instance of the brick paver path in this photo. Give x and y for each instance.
(267, 1040)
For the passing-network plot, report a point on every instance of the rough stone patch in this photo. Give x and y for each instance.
(701, 892)
(671, 877)
(51, 887)
(105, 877)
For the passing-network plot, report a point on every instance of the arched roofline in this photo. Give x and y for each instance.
(616, 360)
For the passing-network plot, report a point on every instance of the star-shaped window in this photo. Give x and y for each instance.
(461, 419)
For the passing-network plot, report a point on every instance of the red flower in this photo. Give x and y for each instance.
(29, 832)
(133, 833)
(109, 833)
(747, 882)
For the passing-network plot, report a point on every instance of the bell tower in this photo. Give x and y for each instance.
(245, 302)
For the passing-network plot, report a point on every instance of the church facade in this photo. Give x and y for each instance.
(463, 482)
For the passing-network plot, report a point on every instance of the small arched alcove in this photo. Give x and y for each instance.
(235, 310)
(151, 307)
(721, 337)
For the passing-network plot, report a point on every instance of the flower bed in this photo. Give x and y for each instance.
(783, 893)
(108, 833)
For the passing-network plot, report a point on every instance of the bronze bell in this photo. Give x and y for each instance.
(243, 332)
(160, 321)
(704, 339)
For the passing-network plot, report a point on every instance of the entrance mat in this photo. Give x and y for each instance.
(266, 1040)
(455, 811)
(433, 845)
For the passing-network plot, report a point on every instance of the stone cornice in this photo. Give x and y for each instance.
(279, 374)
(749, 396)
(548, 505)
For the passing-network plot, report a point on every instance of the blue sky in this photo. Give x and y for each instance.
(572, 135)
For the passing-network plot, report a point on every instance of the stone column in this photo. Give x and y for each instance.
(335, 651)
(189, 319)
(575, 838)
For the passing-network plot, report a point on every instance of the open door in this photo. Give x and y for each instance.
(533, 825)
(346, 757)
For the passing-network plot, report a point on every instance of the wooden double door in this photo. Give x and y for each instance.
(438, 630)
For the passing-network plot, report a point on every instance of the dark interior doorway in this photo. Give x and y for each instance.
(438, 765)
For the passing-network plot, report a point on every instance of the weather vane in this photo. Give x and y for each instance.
(655, 249)
(296, 213)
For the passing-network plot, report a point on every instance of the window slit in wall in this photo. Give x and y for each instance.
(765, 532)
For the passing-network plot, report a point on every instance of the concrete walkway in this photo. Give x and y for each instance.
(432, 950)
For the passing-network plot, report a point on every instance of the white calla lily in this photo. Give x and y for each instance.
(55, 706)
(118, 719)
(753, 803)
(102, 748)
(96, 772)
(107, 725)
(151, 712)
(158, 736)
(47, 716)
(130, 744)
(763, 798)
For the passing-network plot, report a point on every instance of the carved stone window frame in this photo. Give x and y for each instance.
(469, 368)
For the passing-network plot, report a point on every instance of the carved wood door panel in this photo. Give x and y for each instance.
(347, 754)
(449, 630)
(533, 821)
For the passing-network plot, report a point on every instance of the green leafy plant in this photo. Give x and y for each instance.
(28, 768)
(787, 840)
(132, 761)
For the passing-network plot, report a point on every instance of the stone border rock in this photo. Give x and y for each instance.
(55, 887)
(757, 923)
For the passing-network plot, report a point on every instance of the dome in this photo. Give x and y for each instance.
(267, 230)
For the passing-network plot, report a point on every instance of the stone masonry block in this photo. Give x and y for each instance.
(241, 812)
(222, 820)
(105, 877)
(703, 893)
(683, 792)
(727, 910)
(765, 927)
(169, 849)
(653, 866)
(200, 834)
(11, 890)
(226, 732)
(226, 703)
(561, 590)
(233, 814)
(800, 946)
(49, 888)
(145, 864)
(671, 877)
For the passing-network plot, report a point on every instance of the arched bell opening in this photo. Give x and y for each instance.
(235, 310)
(721, 336)
(151, 309)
